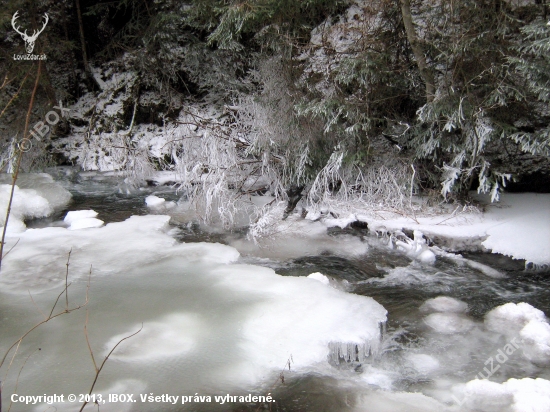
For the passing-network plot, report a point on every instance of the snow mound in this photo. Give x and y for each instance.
(536, 338)
(517, 395)
(510, 318)
(448, 323)
(526, 323)
(444, 304)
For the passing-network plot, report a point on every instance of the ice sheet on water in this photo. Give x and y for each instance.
(38, 261)
(82, 219)
(171, 336)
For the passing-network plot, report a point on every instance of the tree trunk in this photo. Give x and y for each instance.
(418, 50)
(87, 69)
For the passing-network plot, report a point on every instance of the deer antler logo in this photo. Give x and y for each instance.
(29, 40)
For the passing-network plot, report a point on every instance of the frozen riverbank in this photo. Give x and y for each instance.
(518, 226)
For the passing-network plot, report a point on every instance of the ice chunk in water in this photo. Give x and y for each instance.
(86, 223)
(448, 323)
(27, 203)
(444, 304)
(518, 395)
(75, 215)
(536, 341)
(423, 363)
(154, 201)
(319, 277)
(510, 318)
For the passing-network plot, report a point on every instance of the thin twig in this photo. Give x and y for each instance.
(98, 370)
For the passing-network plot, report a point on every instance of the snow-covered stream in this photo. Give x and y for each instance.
(226, 317)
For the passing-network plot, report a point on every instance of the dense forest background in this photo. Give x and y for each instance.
(327, 99)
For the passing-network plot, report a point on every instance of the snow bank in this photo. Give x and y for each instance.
(158, 339)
